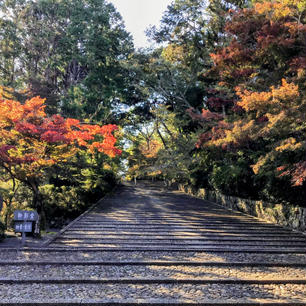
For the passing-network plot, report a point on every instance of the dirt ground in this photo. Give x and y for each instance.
(13, 240)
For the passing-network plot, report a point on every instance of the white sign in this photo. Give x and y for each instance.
(23, 227)
(25, 215)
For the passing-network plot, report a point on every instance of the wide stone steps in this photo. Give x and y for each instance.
(144, 247)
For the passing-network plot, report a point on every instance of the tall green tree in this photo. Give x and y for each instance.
(69, 52)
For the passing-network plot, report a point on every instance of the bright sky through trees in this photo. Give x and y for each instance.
(138, 15)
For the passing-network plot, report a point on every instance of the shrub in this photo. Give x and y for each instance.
(64, 200)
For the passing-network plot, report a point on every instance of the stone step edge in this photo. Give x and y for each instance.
(202, 235)
(148, 250)
(210, 213)
(166, 227)
(157, 214)
(145, 281)
(180, 247)
(171, 223)
(155, 302)
(153, 263)
(170, 245)
(210, 224)
(200, 230)
(184, 239)
(177, 243)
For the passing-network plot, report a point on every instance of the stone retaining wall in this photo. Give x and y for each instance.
(293, 217)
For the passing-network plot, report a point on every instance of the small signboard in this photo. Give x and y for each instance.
(24, 221)
(25, 227)
(25, 215)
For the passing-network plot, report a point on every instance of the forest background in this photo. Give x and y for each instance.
(218, 103)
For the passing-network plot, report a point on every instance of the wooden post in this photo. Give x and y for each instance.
(23, 235)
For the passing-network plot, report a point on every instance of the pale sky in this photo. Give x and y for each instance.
(138, 15)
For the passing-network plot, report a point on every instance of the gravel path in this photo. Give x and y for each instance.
(229, 292)
(149, 272)
(149, 256)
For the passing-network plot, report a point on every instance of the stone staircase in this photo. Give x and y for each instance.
(144, 246)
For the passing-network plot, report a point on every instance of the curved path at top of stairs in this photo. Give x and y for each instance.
(145, 246)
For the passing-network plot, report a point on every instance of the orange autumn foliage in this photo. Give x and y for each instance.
(278, 9)
(31, 141)
(278, 98)
(269, 34)
(150, 149)
(270, 115)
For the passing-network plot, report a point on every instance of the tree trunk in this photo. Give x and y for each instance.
(37, 204)
(9, 202)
